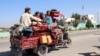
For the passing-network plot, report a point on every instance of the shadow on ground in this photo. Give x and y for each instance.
(14, 53)
(89, 54)
(52, 49)
(97, 47)
(8, 53)
(29, 54)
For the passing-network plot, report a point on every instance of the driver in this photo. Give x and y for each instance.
(49, 20)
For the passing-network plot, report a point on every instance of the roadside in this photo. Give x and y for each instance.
(81, 44)
(5, 39)
(83, 31)
(84, 45)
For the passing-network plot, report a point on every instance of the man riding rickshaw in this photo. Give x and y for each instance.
(36, 35)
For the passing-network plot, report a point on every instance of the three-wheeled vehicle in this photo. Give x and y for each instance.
(38, 40)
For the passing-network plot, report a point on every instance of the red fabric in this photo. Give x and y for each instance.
(38, 28)
(57, 31)
(55, 14)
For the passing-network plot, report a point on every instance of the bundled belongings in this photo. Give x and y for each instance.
(27, 31)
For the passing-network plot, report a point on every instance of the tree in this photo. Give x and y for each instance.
(89, 24)
(75, 23)
(77, 19)
(76, 16)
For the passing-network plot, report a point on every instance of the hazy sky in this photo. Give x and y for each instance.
(11, 10)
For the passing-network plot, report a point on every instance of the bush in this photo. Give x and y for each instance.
(84, 28)
(77, 19)
(70, 29)
(75, 23)
(80, 29)
(98, 26)
(89, 24)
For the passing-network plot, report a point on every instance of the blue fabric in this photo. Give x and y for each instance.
(48, 20)
(27, 29)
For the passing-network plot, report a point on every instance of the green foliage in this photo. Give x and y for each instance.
(75, 23)
(89, 24)
(77, 19)
(98, 26)
(80, 29)
(5, 29)
(85, 29)
(70, 29)
(76, 16)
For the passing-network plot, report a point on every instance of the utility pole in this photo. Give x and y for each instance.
(81, 18)
(97, 17)
(83, 9)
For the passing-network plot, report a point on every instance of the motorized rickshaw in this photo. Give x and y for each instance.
(38, 40)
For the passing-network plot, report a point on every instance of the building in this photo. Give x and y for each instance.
(70, 19)
(89, 16)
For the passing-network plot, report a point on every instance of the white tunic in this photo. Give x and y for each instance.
(26, 19)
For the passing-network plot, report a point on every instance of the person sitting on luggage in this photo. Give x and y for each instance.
(42, 16)
(26, 18)
(25, 21)
(48, 18)
(37, 14)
